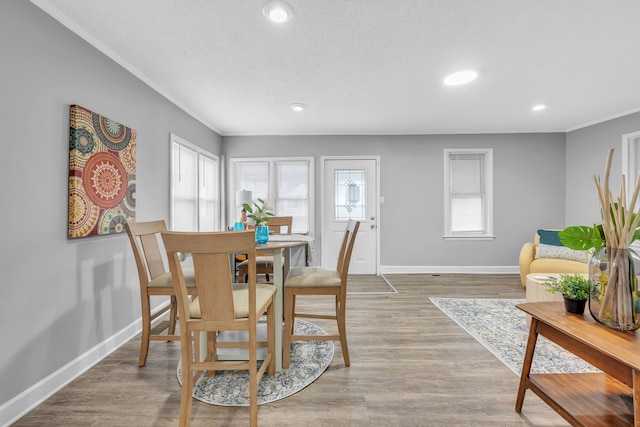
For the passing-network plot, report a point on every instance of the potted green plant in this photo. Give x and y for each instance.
(259, 213)
(574, 289)
(258, 216)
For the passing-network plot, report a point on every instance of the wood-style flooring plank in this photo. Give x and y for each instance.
(411, 365)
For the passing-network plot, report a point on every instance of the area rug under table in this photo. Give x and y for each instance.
(309, 359)
(501, 327)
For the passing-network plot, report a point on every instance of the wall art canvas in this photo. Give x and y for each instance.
(102, 174)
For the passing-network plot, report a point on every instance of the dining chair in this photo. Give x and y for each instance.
(221, 305)
(155, 279)
(264, 263)
(313, 281)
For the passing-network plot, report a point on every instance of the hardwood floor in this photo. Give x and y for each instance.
(411, 365)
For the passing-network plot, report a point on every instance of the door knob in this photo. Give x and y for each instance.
(372, 226)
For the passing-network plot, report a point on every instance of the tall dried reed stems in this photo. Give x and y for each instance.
(619, 224)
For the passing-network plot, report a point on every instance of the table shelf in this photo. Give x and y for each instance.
(610, 398)
(586, 399)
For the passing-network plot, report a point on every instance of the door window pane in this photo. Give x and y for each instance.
(350, 193)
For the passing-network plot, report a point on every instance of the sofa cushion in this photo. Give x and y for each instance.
(550, 237)
(562, 252)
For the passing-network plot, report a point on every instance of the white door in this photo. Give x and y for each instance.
(350, 192)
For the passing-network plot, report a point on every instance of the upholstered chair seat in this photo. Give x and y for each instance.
(313, 277)
(165, 281)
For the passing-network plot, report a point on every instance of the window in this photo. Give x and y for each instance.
(631, 159)
(195, 193)
(286, 183)
(468, 204)
(349, 194)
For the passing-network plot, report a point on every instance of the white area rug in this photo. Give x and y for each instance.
(502, 328)
(309, 359)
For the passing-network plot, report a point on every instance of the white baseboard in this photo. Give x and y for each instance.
(24, 402)
(449, 269)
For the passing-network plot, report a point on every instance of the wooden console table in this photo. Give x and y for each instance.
(611, 398)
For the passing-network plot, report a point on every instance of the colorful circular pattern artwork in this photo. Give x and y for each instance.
(112, 134)
(82, 140)
(102, 174)
(83, 215)
(105, 180)
(113, 221)
(129, 202)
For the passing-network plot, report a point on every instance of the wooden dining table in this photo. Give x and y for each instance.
(281, 252)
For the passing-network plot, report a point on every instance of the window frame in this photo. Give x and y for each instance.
(273, 182)
(487, 159)
(217, 182)
(629, 152)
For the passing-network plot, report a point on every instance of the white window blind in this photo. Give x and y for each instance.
(286, 183)
(293, 193)
(184, 185)
(195, 188)
(254, 177)
(468, 193)
(208, 194)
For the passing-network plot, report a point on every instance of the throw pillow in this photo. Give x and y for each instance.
(562, 252)
(550, 237)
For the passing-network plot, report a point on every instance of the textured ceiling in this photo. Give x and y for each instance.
(375, 67)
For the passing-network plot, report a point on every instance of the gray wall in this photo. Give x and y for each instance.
(528, 190)
(59, 297)
(587, 150)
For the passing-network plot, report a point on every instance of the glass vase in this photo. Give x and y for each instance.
(262, 234)
(613, 297)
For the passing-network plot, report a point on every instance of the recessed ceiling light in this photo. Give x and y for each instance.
(539, 107)
(297, 107)
(460, 78)
(277, 11)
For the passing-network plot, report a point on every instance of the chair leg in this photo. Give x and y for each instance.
(187, 390)
(253, 379)
(212, 351)
(289, 320)
(342, 330)
(146, 330)
(271, 338)
(173, 315)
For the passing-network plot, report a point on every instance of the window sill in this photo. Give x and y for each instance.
(469, 237)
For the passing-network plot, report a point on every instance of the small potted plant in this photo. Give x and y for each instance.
(258, 216)
(574, 289)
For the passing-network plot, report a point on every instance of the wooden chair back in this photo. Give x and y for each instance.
(344, 257)
(211, 262)
(146, 248)
(276, 223)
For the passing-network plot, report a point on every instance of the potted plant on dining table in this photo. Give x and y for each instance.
(257, 216)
